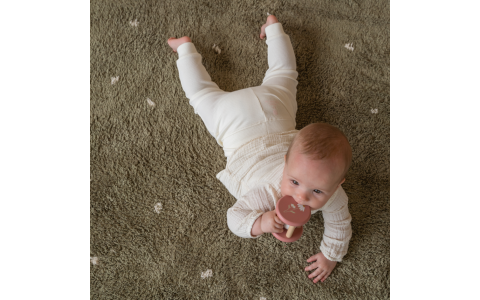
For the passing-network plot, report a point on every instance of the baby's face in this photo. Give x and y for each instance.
(310, 182)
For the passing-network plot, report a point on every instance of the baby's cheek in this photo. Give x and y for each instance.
(286, 192)
(321, 202)
(283, 189)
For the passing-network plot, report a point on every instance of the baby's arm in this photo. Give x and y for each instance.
(338, 230)
(268, 222)
(335, 238)
(248, 211)
(257, 227)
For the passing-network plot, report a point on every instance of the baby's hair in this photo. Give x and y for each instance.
(321, 140)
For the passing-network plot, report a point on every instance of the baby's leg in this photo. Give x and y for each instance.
(281, 73)
(196, 82)
(193, 75)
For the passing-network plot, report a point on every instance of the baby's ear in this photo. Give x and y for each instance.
(342, 181)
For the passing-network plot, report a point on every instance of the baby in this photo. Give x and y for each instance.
(267, 158)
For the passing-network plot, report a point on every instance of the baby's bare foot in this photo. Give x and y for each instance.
(174, 43)
(270, 20)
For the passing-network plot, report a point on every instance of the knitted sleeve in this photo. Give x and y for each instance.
(241, 216)
(338, 230)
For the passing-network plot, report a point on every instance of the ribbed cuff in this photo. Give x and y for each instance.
(186, 49)
(327, 252)
(250, 225)
(331, 258)
(274, 30)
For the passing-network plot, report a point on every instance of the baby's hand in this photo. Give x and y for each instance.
(322, 265)
(271, 222)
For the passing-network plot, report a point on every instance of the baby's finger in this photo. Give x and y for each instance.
(325, 276)
(320, 276)
(277, 219)
(314, 273)
(311, 267)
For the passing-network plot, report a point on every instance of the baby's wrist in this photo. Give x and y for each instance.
(257, 227)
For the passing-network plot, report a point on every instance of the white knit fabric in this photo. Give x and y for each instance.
(253, 175)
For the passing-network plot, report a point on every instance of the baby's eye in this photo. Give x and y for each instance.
(295, 182)
(319, 192)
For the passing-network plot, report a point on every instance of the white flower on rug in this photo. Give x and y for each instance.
(115, 79)
(150, 102)
(293, 205)
(263, 298)
(158, 207)
(216, 48)
(349, 46)
(268, 14)
(302, 208)
(94, 260)
(134, 23)
(207, 273)
(374, 111)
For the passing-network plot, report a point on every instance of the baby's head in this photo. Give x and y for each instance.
(316, 164)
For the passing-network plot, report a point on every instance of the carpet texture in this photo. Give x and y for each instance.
(158, 213)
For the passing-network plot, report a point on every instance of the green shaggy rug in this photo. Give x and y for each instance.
(158, 213)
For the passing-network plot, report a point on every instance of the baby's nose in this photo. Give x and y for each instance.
(301, 199)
